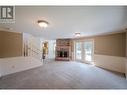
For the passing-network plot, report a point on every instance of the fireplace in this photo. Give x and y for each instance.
(62, 54)
(63, 50)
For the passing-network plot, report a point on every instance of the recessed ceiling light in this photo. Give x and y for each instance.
(77, 34)
(43, 23)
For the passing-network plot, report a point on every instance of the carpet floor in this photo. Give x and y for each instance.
(64, 75)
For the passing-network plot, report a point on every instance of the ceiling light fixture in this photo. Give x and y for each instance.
(43, 23)
(77, 34)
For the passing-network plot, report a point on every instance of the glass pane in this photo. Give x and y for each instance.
(78, 50)
(88, 46)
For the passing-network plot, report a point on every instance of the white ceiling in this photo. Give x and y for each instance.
(65, 21)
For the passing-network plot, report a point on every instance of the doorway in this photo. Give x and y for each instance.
(44, 50)
(84, 51)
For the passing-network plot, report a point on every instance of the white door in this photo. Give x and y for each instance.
(84, 51)
(88, 51)
(78, 52)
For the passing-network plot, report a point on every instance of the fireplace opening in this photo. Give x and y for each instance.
(65, 54)
(62, 54)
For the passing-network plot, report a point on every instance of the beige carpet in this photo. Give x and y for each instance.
(64, 75)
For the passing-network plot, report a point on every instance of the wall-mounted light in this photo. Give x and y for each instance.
(43, 23)
(77, 34)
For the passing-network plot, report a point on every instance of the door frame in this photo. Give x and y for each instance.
(82, 50)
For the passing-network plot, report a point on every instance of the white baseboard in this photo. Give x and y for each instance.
(113, 63)
(17, 64)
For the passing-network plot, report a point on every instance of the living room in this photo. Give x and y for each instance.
(65, 47)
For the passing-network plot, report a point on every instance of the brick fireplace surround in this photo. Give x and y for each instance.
(63, 50)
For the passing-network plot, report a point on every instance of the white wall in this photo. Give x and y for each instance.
(51, 54)
(113, 63)
(34, 45)
(17, 64)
